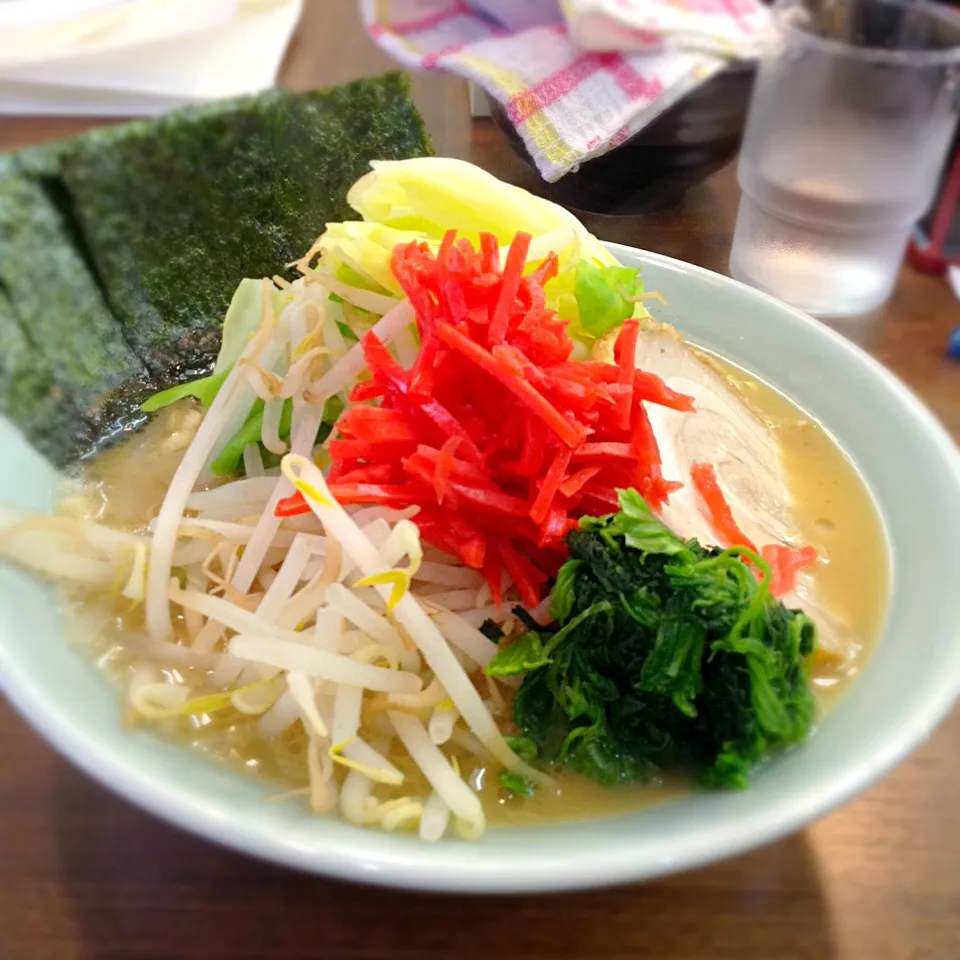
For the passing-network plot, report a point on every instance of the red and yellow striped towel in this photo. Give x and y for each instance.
(576, 77)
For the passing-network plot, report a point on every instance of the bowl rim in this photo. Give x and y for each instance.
(417, 866)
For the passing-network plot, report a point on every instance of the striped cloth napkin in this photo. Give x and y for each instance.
(575, 77)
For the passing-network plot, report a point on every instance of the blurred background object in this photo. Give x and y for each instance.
(620, 105)
(936, 240)
(129, 57)
(854, 109)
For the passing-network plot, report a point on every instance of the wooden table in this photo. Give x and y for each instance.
(85, 875)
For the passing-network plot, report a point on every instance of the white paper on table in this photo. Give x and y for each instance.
(224, 60)
(55, 31)
(21, 14)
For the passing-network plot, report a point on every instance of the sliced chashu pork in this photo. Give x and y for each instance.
(744, 449)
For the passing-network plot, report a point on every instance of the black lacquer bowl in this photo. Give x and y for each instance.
(654, 168)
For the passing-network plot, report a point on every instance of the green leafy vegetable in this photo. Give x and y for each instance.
(602, 606)
(241, 320)
(348, 332)
(599, 292)
(354, 278)
(521, 656)
(664, 654)
(230, 459)
(204, 389)
(513, 782)
(561, 597)
(639, 527)
(523, 747)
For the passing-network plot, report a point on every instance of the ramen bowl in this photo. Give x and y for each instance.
(908, 463)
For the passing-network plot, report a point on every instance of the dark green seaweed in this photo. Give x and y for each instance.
(63, 349)
(175, 211)
(28, 394)
(120, 249)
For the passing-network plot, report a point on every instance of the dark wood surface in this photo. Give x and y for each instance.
(85, 875)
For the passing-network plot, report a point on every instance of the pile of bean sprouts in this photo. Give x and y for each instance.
(338, 620)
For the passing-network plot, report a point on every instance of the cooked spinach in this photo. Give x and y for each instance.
(516, 784)
(664, 654)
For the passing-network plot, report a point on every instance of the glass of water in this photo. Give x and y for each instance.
(853, 111)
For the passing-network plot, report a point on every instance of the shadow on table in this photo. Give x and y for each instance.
(141, 889)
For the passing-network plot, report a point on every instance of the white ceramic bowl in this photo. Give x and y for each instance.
(913, 471)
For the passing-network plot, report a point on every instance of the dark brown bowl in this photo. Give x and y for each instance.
(655, 167)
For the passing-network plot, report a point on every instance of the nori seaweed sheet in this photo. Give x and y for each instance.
(120, 249)
(32, 398)
(175, 211)
(63, 350)
(43, 160)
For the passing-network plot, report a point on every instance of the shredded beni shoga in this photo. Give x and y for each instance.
(469, 443)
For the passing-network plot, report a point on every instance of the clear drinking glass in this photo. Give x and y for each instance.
(854, 108)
